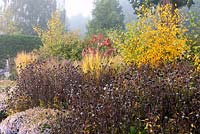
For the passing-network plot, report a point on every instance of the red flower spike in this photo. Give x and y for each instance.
(109, 52)
(107, 42)
(101, 44)
(100, 37)
(91, 51)
(84, 52)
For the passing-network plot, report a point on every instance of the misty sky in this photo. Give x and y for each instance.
(75, 7)
(1, 2)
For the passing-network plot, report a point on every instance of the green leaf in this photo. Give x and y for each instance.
(133, 130)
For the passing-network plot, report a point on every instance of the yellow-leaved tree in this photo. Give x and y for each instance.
(157, 37)
(57, 42)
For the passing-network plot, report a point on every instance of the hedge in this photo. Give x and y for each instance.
(10, 45)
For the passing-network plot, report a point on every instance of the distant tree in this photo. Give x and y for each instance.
(193, 33)
(127, 11)
(148, 3)
(79, 23)
(63, 18)
(7, 25)
(107, 14)
(29, 13)
(61, 8)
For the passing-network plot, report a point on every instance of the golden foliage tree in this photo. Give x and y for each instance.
(7, 25)
(57, 42)
(156, 38)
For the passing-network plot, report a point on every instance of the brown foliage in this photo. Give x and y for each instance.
(159, 100)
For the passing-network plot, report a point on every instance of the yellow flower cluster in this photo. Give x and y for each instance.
(155, 38)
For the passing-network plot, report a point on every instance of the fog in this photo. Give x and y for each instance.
(78, 18)
(77, 13)
(76, 7)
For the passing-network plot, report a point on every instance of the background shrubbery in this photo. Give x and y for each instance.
(56, 42)
(157, 37)
(193, 34)
(12, 44)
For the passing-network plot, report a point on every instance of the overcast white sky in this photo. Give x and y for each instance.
(75, 7)
(1, 1)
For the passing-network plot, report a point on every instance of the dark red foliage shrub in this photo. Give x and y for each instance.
(49, 82)
(91, 106)
(167, 97)
(103, 109)
(160, 100)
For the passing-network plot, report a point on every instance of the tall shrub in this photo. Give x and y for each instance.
(156, 38)
(57, 42)
(107, 14)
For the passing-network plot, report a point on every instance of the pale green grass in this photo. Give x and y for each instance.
(6, 83)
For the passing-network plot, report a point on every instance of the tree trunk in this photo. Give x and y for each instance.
(165, 2)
